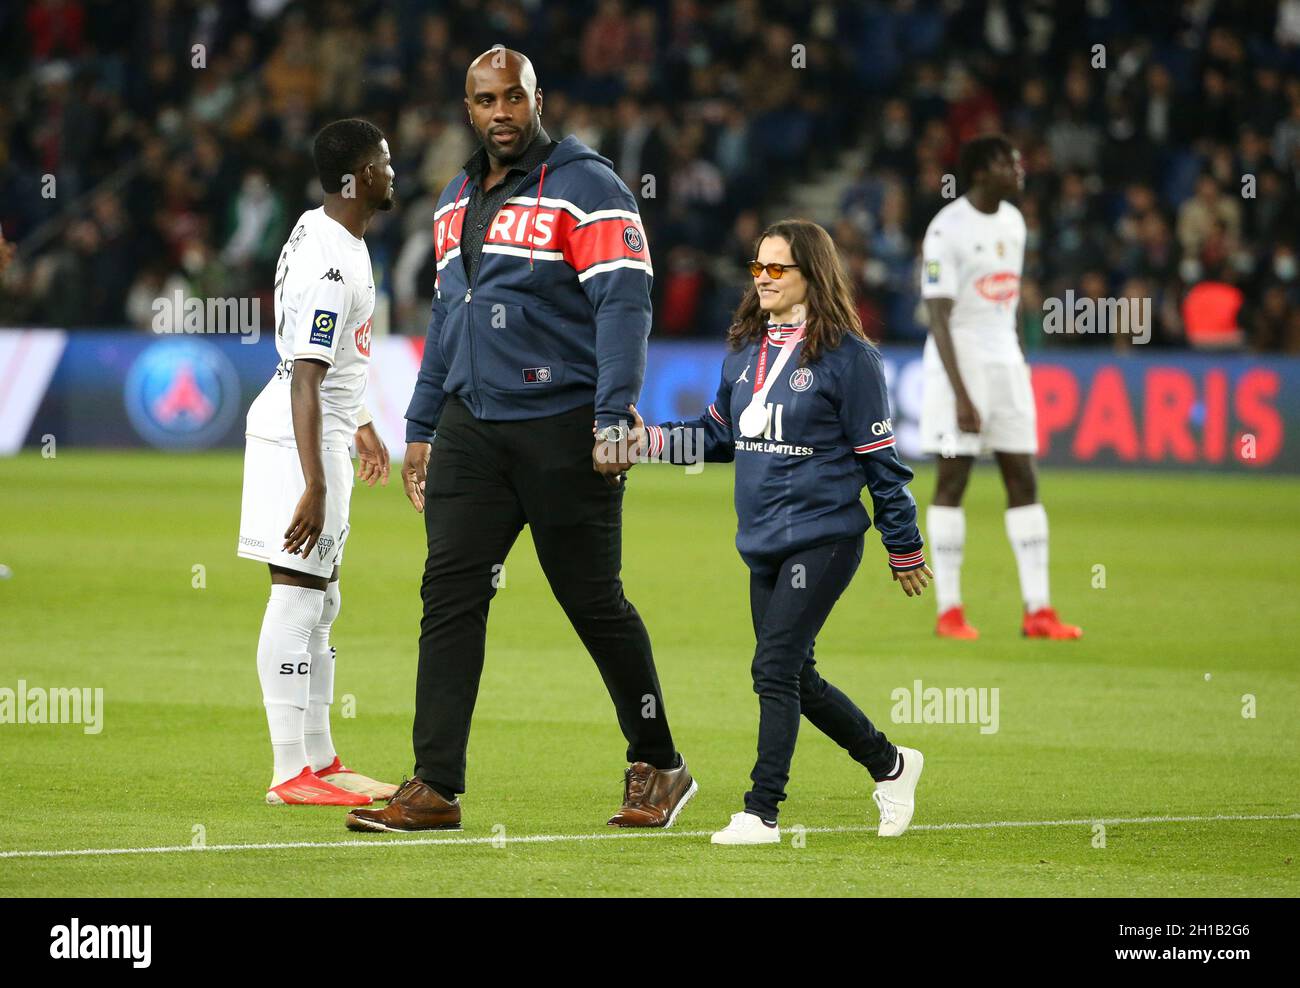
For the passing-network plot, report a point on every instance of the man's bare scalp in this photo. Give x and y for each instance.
(494, 64)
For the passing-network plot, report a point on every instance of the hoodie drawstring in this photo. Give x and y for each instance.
(532, 220)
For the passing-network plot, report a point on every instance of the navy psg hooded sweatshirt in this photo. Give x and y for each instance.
(559, 311)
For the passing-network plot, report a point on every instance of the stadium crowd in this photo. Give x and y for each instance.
(1161, 143)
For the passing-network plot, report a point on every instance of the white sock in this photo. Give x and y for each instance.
(945, 530)
(283, 666)
(285, 721)
(1027, 530)
(320, 692)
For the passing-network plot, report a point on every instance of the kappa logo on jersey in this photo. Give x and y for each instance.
(1001, 286)
(801, 379)
(882, 428)
(332, 275)
(537, 375)
(322, 328)
(632, 237)
(362, 337)
(932, 272)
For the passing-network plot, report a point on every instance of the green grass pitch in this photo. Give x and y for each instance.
(1143, 718)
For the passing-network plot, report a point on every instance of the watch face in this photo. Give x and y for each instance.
(613, 433)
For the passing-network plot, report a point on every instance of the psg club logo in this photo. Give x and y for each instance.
(182, 394)
(801, 379)
(632, 237)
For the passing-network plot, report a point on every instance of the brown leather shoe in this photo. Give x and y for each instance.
(413, 807)
(652, 797)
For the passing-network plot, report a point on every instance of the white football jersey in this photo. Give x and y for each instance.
(976, 260)
(324, 301)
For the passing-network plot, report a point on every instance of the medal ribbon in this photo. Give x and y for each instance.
(762, 385)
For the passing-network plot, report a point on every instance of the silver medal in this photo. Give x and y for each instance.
(753, 420)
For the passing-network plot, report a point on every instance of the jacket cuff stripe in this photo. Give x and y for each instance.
(873, 446)
(910, 560)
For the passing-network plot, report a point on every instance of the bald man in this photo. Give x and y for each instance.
(538, 329)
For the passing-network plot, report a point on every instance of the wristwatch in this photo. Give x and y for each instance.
(612, 433)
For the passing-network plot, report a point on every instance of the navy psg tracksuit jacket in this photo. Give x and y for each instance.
(829, 434)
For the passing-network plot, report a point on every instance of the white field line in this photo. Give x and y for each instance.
(389, 840)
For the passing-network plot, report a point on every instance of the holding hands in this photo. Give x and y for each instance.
(617, 449)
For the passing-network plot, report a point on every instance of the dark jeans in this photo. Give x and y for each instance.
(790, 600)
(486, 481)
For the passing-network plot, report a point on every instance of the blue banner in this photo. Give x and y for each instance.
(1165, 409)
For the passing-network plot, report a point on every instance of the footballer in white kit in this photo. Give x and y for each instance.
(297, 464)
(977, 395)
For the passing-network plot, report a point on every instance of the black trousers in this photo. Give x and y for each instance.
(486, 481)
(789, 601)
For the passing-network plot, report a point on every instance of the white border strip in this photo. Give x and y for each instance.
(384, 841)
(624, 262)
(28, 360)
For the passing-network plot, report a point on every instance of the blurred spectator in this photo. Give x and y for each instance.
(169, 172)
(1209, 215)
(1210, 313)
(1273, 326)
(257, 225)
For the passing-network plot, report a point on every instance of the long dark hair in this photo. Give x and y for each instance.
(832, 313)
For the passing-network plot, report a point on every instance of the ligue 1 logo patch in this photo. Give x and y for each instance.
(932, 272)
(632, 237)
(801, 379)
(322, 328)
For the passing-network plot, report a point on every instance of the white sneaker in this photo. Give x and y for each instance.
(745, 828)
(896, 799)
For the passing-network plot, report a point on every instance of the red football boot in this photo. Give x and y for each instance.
(308, 789)
(336, 774)
(952, 624)
(1043, 623)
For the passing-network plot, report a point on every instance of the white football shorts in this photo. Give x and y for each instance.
(273, 484)
(1004, 398)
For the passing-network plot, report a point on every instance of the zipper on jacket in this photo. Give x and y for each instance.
(469, 289)
(469, 332)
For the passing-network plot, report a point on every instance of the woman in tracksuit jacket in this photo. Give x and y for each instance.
(803, 411)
